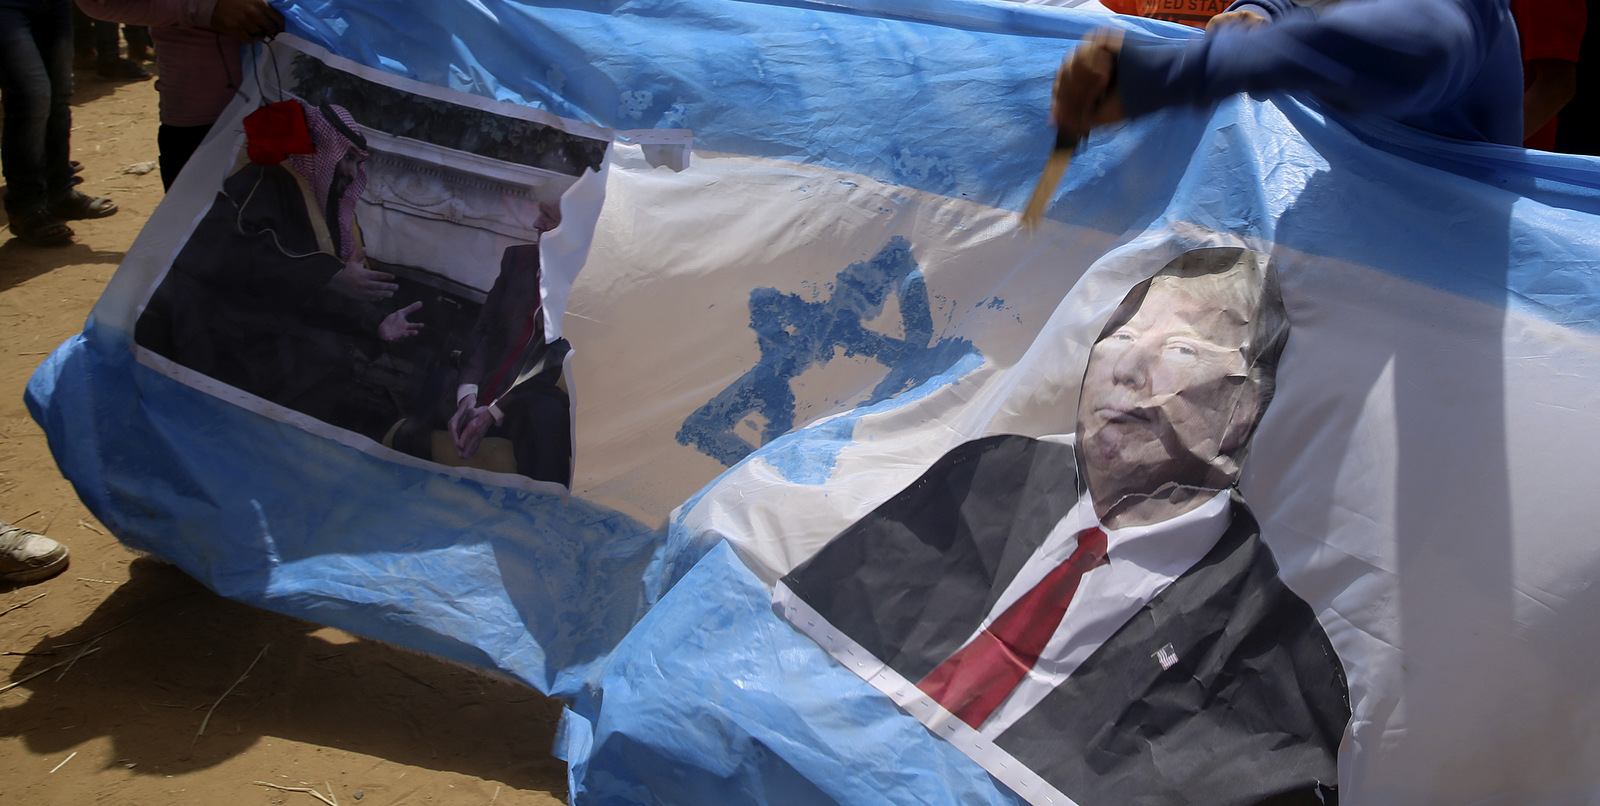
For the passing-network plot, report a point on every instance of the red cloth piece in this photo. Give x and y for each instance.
(275, 131)
(1548, 29)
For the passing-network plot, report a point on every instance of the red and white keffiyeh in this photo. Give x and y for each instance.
(333, 132)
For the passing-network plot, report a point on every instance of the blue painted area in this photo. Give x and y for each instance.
(799, 81)
(715, 700)
(710, 698)
(266, 513)
(965, 86)
(807, 456)
(795, 335)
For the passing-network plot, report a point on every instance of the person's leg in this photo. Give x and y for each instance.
(176, 144)
(540, 430)
(54, 38)
(83, 53)
(108, 54)
(138, 39)
(28, 103)
(35, 144)
(107, 44)
(25, 95)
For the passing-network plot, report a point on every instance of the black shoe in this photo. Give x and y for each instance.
(75, 205)
(38, 227)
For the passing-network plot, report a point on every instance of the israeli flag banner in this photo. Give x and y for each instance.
(687, 360)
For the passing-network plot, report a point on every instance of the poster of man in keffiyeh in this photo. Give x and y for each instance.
(386, 282)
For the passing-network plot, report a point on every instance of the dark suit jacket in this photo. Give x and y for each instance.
(508, 341)
(500, 328)
(1251, 712)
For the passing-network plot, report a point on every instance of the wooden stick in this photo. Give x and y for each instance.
(225, 694)
(306, 789)
(63, 763)
(24, 604)
(77, 657)
(86, 651)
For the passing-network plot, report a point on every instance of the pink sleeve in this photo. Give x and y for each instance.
(154, 13)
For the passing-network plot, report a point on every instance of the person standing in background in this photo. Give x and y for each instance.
(197, 55)
(35, 141)
(98, 45)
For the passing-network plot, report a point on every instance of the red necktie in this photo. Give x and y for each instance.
(529, 324)
(978, 677)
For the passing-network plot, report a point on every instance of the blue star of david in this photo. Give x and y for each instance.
(795, 334)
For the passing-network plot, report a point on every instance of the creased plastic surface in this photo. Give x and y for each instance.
(1421, 477)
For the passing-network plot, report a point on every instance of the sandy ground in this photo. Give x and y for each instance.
(157, 655)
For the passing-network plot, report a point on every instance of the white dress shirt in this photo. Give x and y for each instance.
(1142, 561)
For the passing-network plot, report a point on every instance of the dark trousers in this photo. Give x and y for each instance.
(35, 88)
(538, 424)
(107, 47)
(177, 144)
(100, 37)
(540, 429)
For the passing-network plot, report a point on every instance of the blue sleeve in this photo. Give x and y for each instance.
(1397, 58)
(1274, 10)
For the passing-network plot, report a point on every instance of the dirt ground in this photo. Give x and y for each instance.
(147, 656)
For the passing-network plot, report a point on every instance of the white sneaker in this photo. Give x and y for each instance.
(29, 556)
